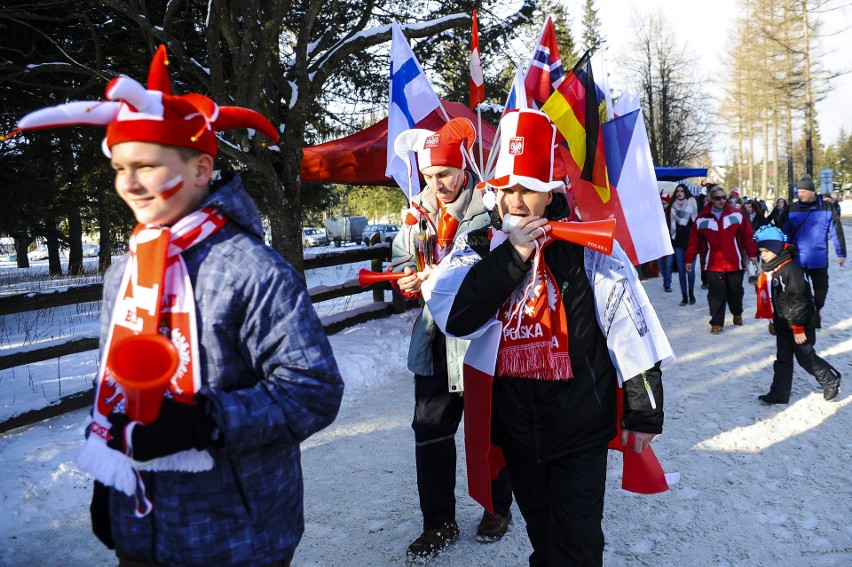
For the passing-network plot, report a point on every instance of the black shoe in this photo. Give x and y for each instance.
(769, 399)
(705, 286)
(818, 320)
(691, 298)
(830, 393)
(432, 542)
(667, 289)
(683, 301)
(492, 527)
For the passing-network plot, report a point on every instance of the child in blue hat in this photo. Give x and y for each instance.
(784, 296)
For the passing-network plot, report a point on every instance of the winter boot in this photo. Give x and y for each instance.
(691, 297)
(684, 301)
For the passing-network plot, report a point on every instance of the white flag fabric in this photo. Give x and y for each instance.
(411, 100)
(625, 104)
(602, 82)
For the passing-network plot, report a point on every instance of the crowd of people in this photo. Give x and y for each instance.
(791, 281)
(518, 319)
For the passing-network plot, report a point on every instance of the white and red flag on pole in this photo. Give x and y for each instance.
(477, 82)
(544, 72)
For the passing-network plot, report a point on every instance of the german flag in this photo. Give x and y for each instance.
(573, 107)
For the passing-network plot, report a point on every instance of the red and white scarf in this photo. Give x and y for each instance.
(534, 343)
(155, 296)
(764, 293)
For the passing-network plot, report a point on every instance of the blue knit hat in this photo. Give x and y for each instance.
(770, 238)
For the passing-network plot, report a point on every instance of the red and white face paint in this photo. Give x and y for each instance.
(157, 183)
(169, 190)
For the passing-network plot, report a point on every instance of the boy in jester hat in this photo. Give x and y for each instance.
(784, 295)
(216, 477)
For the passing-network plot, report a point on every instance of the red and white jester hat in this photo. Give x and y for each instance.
(135, 114)
(527, 153)
(444, 147)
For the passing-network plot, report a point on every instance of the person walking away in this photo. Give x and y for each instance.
(539, 312)
(785, 297)
(719, 234)
(448, 206)
(666, 261)
(778, 216)
(684, 211)
(215, 478)
(811, 223)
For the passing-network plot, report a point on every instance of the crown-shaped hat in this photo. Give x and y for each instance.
(527, 153)
(133, 113)
(444, 147)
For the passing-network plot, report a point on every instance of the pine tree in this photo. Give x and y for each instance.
(592, 37)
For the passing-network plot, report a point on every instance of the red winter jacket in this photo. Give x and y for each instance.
(721, 242)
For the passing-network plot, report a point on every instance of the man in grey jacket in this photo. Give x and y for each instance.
(447, 207)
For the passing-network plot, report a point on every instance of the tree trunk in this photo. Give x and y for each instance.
(105, 226)
(75, 239)
(21, 245)
(809, 102)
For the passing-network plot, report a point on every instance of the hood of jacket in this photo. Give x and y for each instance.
(229, 196)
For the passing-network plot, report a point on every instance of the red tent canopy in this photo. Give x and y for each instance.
(361, 159)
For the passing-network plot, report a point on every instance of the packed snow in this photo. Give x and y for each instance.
(760, 486)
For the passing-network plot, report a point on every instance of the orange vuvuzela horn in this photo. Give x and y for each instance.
(366, 277)
(597, 235)
(143, 365)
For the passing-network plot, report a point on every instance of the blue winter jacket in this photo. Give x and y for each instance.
(270, 373)
(809, 226)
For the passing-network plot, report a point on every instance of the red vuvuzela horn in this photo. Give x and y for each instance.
(366, 277)
(597, 235)
(143, 365)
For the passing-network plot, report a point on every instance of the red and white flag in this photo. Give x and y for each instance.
(477, 82)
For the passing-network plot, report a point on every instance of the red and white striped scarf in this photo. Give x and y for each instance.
(155, 296)
(764, 293)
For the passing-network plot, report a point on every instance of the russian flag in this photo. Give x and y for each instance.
(631, 176)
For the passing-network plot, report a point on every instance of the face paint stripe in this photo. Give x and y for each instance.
(170, 188)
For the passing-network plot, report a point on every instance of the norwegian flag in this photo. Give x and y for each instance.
(477, 82)
(544, 72)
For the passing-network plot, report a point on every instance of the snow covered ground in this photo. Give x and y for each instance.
(760, 486)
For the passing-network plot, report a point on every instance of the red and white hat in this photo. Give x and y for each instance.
(528, 145)
(443, 147)
(137, 114)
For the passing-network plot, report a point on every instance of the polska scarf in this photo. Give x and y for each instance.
(534, 343)
(155, 296)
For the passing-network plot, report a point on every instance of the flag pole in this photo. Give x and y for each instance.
(479, 127)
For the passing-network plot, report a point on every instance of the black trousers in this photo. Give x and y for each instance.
(819, 284)
(562, 502)
(725, 288)
(782, 381)
(437, 414)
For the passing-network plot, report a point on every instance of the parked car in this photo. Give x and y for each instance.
(385, 232)
(91, 250)
(39, 253)
(313, 237)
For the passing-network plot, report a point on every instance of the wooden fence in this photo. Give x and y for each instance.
(9, 305)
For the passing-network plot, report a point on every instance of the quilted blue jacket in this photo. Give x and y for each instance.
(809, 227)
(270, 373)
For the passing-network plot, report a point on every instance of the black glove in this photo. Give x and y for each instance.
(179, 427)
(99, 510)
